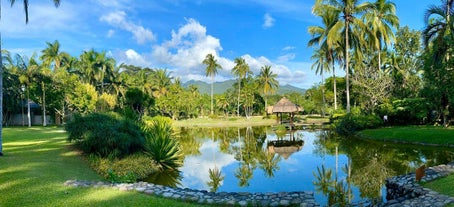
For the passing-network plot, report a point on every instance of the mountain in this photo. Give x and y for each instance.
(221, 87)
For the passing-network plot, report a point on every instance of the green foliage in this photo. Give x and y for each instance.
(129, 169)
(161, 146)
(106, 135)
(353, 122)
(406, 111)
(83, 99)
(137, 102)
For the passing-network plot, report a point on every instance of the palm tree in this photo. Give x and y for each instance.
(319, 34)
(240, 70)
(211, 70)
(381, 21)
(57, 3)
(320, 66)
(106, 70)
(267, 82)
(52, 56)
(162, 80)
(348, 25)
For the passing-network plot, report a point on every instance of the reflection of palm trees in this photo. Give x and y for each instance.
(269, 162)
(244, 174)
(216, 179)
(335, 191)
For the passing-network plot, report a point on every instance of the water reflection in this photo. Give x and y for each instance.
(257, 159)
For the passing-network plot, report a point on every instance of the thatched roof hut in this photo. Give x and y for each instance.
(286, 106)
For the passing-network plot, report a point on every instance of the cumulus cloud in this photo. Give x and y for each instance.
(119, 19)
(131, 57)
(288, 48)
(187, 48)
(268, 21)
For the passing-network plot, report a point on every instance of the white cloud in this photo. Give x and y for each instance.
(187, 48)
(118, 19)
(288, 48)
(268, 21)
(110, 33)
(131, 57)
(286, 57)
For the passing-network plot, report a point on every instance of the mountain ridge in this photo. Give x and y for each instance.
(221, 87)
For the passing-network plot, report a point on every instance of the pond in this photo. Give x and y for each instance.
(260, 159)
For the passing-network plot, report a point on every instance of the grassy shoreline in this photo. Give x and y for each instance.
(423, 135)
(39, 160)
(225, 122)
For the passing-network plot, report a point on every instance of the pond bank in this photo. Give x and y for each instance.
(303, 198)
(404, 191)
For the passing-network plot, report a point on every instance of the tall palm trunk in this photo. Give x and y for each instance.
(28, 109)
(44, 105)
(239, 92)
(212, 82)
(334, 86)
(1, 97)
(347, 66)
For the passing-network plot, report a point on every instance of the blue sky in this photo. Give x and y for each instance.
(177, 34)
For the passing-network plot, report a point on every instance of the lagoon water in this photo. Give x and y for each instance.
(260, 159)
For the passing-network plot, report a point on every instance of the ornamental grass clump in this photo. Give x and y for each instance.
(161, 146)
(105, 135)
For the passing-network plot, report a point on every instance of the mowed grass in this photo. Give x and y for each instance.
(444, 185)
(39, 160)
(431, 135)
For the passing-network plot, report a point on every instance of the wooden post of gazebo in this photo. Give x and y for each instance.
(286, 106)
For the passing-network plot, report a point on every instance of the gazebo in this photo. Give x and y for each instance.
(286, 106)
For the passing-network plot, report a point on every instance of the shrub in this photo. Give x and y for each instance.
(106, 135)
(127, 170)
(161, 146)
(351, 123)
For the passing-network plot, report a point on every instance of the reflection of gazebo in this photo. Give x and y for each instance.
(285, 148)
(286, 106)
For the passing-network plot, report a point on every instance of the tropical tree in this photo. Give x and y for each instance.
(349, 26)
(438, 38)
(211, 70)
(320, 65)
(52, 57)
(267, 82)
(240, 70)
(25, 2)
(319, 37)
(381, 20)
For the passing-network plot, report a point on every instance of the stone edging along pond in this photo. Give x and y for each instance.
(404, 191)
(303, 198)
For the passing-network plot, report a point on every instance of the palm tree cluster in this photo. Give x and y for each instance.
(353, 33)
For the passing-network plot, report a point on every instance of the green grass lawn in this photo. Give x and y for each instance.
(38, 161)
(412, 134)
(443, 185)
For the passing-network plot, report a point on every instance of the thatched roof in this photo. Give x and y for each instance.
(286, 106)
(285, 148)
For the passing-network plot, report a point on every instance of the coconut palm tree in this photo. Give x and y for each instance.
(319, 37)
(381, 20)
(349, 26)
(211, 70)
(52, 56)
(240, 70)
(320, 65)
(25, 2)
(267, 82)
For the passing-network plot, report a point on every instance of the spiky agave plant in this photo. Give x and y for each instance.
(161, 146)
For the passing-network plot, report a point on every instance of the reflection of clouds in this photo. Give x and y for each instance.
(195, 168)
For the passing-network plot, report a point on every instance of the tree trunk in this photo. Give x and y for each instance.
(212, 82)
(28, 109)
(347, 67)
(334, 87)
(1, 98)
(44, 105)
(239, 92)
